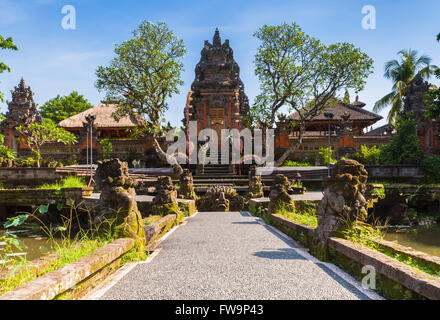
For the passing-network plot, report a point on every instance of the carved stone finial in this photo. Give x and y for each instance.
(279, 195)
(217, 42)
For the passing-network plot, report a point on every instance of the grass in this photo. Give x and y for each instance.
(304, 213)
(19, 272)
(290, 163)
(67, 182)
(69, 249)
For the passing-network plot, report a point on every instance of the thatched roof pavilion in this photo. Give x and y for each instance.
(104, 119)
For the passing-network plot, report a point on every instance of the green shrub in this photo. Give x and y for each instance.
(368, 155)
(432, 169)
(307, 161)
(404, 147)
(324, 155)
(107, 148)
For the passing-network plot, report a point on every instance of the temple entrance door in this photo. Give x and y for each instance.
(217, 119)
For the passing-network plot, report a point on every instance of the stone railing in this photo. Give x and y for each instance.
(396, 281)
(75, 279)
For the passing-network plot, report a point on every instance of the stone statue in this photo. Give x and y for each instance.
(165, 201)
(343, 198)
(118, 201)
(218, 198)
(186, 190)
(255, 185)
(279, 195)
(222, 204)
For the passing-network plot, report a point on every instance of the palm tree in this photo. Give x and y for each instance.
(402, 73)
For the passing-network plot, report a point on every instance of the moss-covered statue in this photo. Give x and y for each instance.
(221, 198)
(117, 202)
(344, 201)
(186, 190)
(279, 195)
(255, 185)
(165, 201)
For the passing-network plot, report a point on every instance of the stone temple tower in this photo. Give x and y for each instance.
(218, 97)
(22, 110)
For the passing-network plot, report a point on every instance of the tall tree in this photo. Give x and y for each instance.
(5, 44)
(145, 73)
(36, 135)
(299, 72)
(401, 73)
(62, 107)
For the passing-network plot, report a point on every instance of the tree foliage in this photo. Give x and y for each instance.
(107, 148)
(145, 73)
(37, 134)
(368, 155)
(404, 147)
(5, 44)
(432, 103)
(299, 72)
(401, 73)
(62, 107)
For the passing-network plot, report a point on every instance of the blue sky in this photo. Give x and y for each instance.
(57, 61)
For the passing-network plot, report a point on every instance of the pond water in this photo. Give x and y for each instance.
(33, 244)
(425, 238)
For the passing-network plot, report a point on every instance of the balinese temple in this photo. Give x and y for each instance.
(217, 93)
(104, 127)
(348, 130)
(217, 100)
(22, 110)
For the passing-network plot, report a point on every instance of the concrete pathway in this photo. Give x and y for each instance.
(218, 255)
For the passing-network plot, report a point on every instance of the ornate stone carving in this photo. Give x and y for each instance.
(22, 110)
(118, 201)
(345, 124)
(414, 102)
(217, 77)
(343, 198)
(279, 195)
(217, 198)
(222, 204)
(165, 201)
(255, 185)
(186, 190)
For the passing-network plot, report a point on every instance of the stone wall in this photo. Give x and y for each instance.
(28, 176)
(400, 172)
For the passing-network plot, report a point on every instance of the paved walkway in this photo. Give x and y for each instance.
(218, 255)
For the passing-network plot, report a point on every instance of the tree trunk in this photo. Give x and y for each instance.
(286, 153)
(164, 157)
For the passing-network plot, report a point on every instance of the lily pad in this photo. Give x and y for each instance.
(43, 208)
(15, 221)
